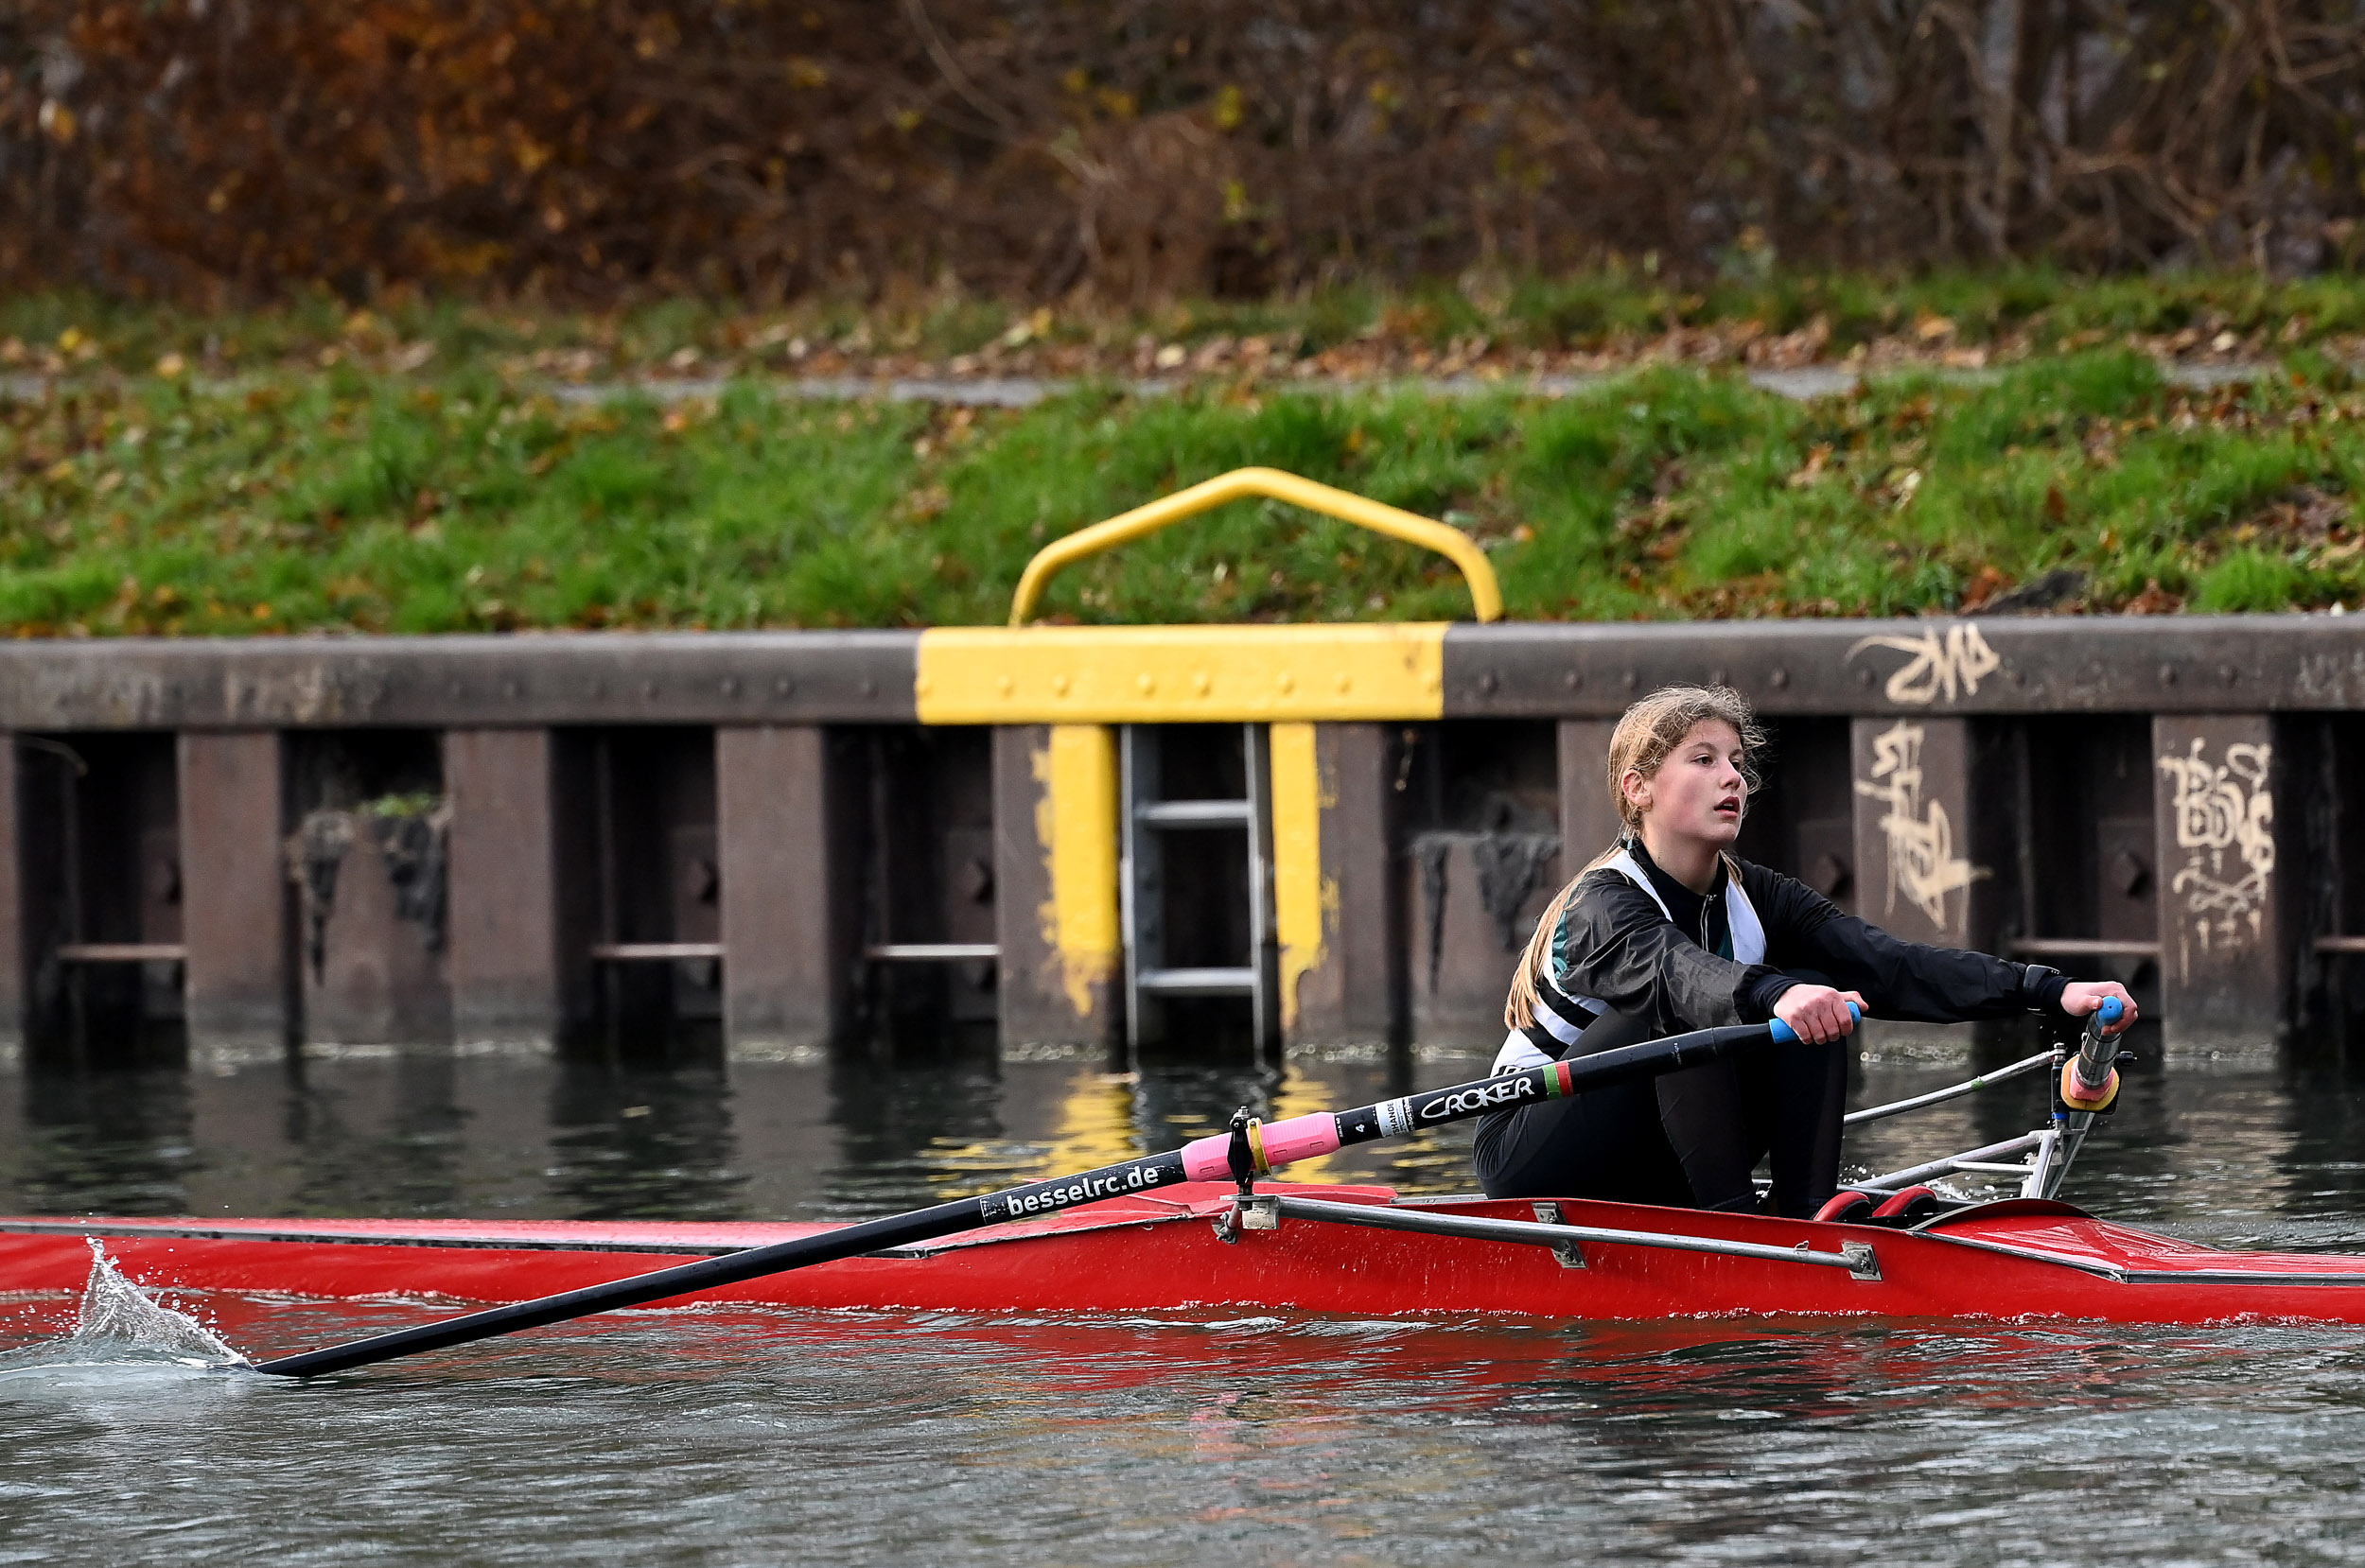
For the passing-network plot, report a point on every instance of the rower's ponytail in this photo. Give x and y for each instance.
(1646, 734)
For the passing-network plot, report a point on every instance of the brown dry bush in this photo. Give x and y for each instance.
(228, 149)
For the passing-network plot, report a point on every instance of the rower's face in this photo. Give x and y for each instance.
(1700, 790)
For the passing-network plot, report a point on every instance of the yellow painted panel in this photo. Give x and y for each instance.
(1075, 822)
(1180, 674)
(1306, 904)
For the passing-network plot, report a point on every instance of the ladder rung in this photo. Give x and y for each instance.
(929, 952)
(122, 952)
(1193, 813)
(653, 952)
(1198, 982)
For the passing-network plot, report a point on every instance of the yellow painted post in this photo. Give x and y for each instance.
(1076, 821)
(1305, 903)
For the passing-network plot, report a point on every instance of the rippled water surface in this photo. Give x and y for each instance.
(739, 1435)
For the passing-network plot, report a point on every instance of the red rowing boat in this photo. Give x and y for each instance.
(1155, 1234)
(1354, 1250)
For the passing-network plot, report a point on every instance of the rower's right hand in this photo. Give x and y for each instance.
(2082, 997)
(1818, 1014)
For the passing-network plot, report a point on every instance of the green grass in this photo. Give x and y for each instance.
(466, 501)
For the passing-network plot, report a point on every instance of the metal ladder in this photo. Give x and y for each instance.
(1145, 818)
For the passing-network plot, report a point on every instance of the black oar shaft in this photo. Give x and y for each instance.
(1200, 1161)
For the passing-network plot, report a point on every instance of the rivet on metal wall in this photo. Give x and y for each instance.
(649, 690)
(1574, 680)
(869, 688)
(730, 686)
(783, 687)
(1780, 677)
(1633, 680)
(1719, 676)
(2226, 674)
(510, 688)
(1488, 681)
(1864, 677)
(2167, 674)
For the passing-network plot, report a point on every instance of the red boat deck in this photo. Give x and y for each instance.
(2019, 1259)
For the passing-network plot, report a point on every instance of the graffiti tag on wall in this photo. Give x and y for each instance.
(1938, 666)
(2224, 816)
(1923, 864)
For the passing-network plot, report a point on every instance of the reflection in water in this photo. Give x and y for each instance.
(383, 1137)
(101, 1142)
(629, 1144)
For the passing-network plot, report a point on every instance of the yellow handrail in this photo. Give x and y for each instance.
(1486, 597)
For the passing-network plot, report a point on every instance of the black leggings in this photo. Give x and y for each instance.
(1686, 1140)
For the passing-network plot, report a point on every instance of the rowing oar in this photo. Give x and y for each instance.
(1249, 1150)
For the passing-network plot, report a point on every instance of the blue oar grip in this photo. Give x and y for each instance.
(1784, 1035)
(2111, 1010)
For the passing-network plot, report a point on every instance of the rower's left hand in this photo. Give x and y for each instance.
(2081, 996)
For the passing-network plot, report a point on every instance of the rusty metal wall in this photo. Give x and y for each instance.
(519, 893)
(1358, 992)
(1484, 840)
(2160, 801)
(237, 906)
(789, 863)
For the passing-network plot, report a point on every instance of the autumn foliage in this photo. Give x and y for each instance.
(1135, 150)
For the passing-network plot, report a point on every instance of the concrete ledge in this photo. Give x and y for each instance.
(2070, 664)
(454, 682)
(1973, 664)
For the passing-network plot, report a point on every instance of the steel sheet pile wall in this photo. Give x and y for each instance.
(797, 837)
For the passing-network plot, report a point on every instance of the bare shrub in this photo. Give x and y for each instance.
(1139, 150)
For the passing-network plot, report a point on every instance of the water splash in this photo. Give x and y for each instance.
(118, 1321)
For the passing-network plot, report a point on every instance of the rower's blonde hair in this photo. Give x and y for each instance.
(1646, 735)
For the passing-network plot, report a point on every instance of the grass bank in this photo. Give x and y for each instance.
(346, 500)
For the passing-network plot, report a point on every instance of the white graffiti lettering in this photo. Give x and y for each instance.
(1920, 837)
(1938, 666)
(2224, 812)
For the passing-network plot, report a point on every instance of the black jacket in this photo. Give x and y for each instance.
(1615, 944)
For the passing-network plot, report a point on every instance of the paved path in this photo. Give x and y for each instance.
(1016, 392)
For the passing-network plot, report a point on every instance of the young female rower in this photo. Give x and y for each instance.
(1666, 932)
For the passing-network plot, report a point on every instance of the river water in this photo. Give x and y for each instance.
(740, 1436)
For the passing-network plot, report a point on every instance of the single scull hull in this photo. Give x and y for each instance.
(2007, 1260)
